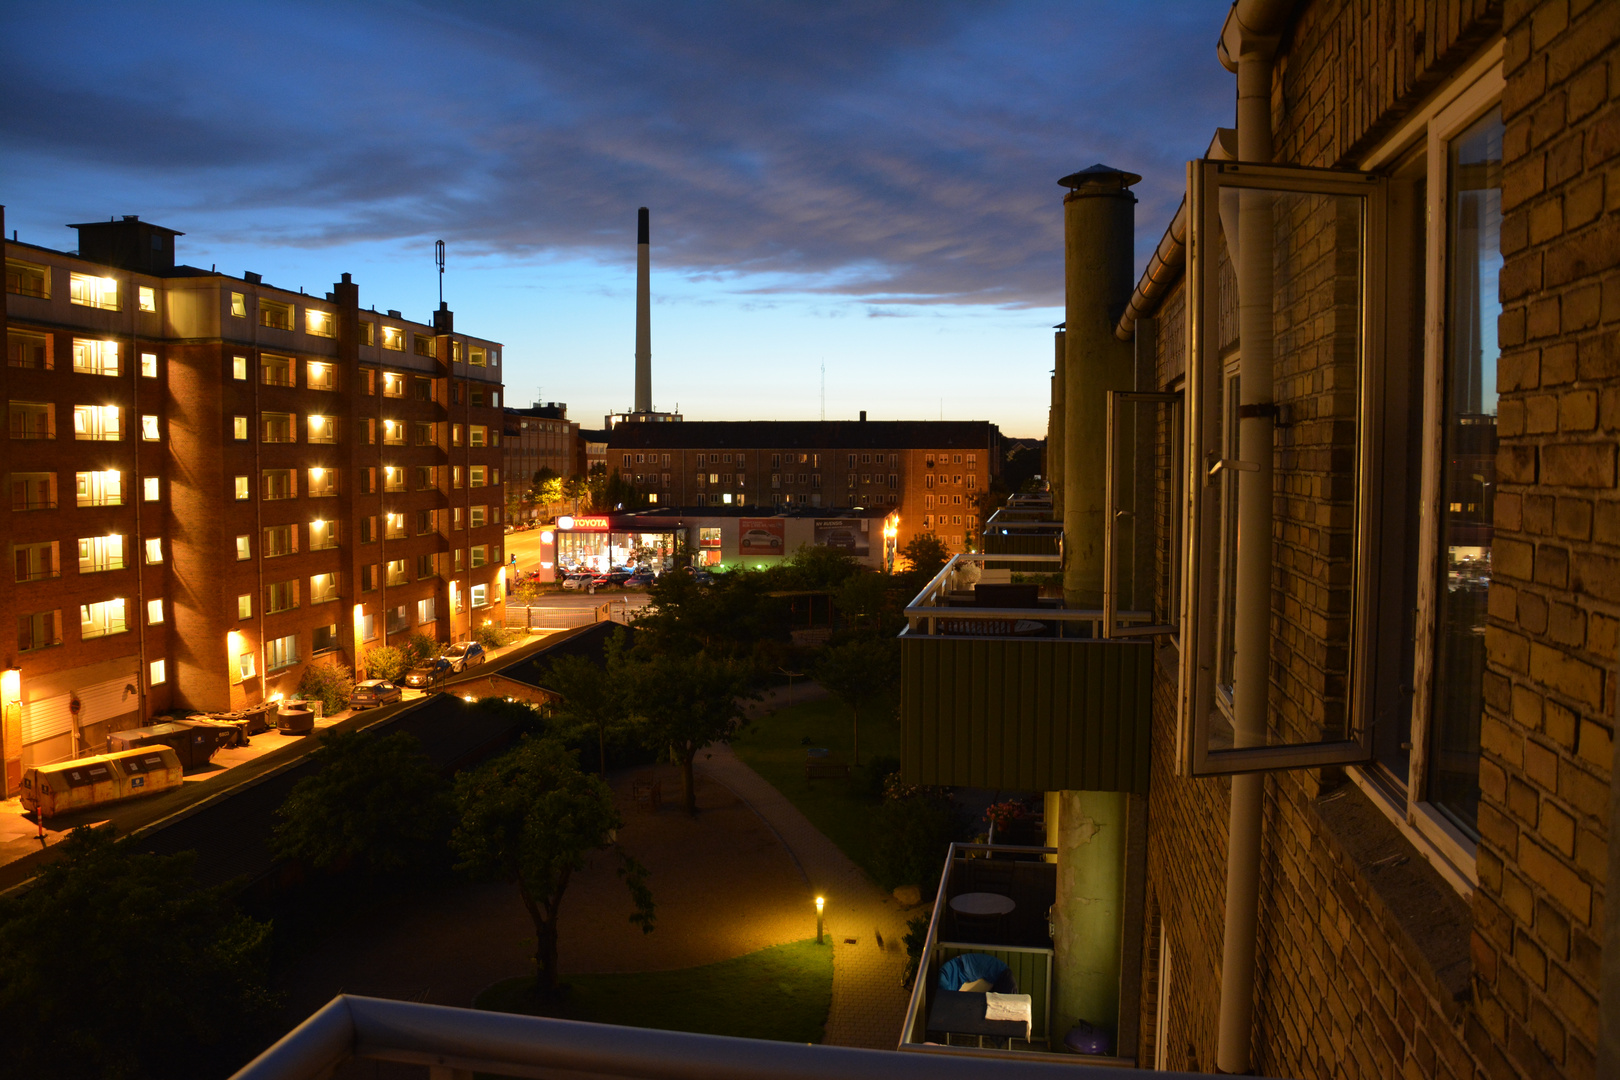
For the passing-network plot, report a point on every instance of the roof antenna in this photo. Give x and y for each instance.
(438, 257)
(824, 388)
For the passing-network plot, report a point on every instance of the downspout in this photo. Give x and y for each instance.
(1055, 425)
(1251, 33)
(137, 493)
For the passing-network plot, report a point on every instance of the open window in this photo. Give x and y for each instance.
(1280, 451)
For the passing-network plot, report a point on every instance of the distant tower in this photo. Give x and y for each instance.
(643, 317)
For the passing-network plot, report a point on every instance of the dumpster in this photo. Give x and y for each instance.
(104, 778)
(194, 744)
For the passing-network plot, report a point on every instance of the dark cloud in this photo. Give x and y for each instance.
(902, 153)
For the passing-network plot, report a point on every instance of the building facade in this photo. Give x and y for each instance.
(214, 483)
(541, 437)
(930, 473)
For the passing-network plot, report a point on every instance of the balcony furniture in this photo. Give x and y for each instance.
(647, 792)
(987, 594)
(987, 904)
(822, 764)
(957, 1012)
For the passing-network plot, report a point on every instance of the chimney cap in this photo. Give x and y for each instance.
(1100, 176)
(641, 225)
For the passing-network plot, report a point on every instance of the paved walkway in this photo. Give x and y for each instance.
(867, 925)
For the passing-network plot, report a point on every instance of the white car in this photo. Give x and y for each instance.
(759, 538)
(577, 581)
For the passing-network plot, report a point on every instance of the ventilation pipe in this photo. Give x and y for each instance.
(643, 315)
(1054, 430)
(1248, 46)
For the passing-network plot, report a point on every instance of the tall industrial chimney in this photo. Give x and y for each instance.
(643, 318)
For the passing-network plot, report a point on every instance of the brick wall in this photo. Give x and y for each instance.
(1555, 596)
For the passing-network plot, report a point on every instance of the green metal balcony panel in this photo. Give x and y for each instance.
(1026, 715)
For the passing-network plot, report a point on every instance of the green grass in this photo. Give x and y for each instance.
(775, 749)
(780, 993)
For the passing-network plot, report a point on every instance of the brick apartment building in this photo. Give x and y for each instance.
(930, 472)
(541, 437)
(214, 483)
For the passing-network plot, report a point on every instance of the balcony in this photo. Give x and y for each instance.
(942, 1021)
(1003, 687)
(1025, 528)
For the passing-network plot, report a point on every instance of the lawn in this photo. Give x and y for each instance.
(780, 993)
(775, 748)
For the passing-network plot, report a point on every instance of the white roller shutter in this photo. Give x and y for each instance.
(46, 719)
(105, 700)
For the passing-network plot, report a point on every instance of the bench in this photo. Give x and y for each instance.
(825, 769)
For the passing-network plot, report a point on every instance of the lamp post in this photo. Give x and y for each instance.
(821, 903)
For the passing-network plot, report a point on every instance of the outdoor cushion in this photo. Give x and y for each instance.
(970, 967)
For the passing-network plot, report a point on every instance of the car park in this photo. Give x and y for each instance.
(463, 655)
(374, 692)
(640, 577)
(577, 581)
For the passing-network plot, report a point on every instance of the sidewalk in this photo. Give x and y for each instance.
(868, 1002)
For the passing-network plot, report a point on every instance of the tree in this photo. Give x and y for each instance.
(548, 485)
(419, 649)
(531, 817)
(376, 803)
(574, 489)
(330, 684)
(385, 662)
(591, 697)
(865, 602)
(685, 703)
(862, 673)
(927, 556)
(115, 964)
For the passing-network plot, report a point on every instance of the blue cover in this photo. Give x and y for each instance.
(973, 966)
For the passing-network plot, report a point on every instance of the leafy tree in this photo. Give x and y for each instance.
(491, 636)
(576, 488)
(531, 817)
(910, 838)
(330, 684)
(385, 662)
(927, 555)
(419, 649)
(730, 617)
(685, 703)
(116, 965)
(592, 698)
(376, 803)
(816, 567)
(867, 603)
(863, 674)
(548, 485)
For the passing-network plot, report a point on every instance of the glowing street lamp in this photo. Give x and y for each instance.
(821, 903)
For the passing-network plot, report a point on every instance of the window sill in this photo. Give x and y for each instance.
(1451, 855)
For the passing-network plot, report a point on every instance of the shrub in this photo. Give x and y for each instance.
(915, 938)
(911, 837)
(385, 662)
(491, 636)
(330, 684)
(419, 649)
(871, 779)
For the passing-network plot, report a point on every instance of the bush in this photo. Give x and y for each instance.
(491, 636)
(915, 938)
(385, 662)
(869, 782)
(330, 684)
(910, 840)
(419, 649)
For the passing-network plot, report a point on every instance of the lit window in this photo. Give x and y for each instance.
(280, 596)
(159, 673)
(477, 515)
(90, 291)
(151, 488)
(100, 620)
(393, 338)
(95, 357)
(243, 489)
(149, 365)
(100, 488)
(476, 355)
(239, 428)
(480, 596)
(276, 370)
(244, 606)
(319, 323)
(323, 588)
(276, 315)
(244, 548)
(279, 540)
(147, 299)
(154, 611)
(278, 427)
(279, 484)
(238, 305)
(322, 535)
(398, 573)
(239, 367)
(245, 665)
(322, 483)
(393, 385)
(426, 611)
(281, 652)
(99, 553)
(154, 549)
(480, 553)
(149, 428)
(320, 376)
(476, 475)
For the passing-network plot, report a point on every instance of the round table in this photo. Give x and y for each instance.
(982, 903)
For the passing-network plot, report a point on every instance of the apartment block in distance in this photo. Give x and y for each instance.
(931, 473)
(214, 483)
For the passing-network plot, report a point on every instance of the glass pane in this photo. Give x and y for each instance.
(1467, 465)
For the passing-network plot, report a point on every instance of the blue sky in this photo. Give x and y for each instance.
(870, 186)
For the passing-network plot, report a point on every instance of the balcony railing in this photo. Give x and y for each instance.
(454, 1043)
(1021, 939)
(1003, 688)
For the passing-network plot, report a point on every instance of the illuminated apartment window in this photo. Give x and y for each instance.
(279, 484)
(323, 588)
(478, 435)
(26, 279)
(398, 572)
(243, 489)
(393, 338)
(278, 427)
(99, 488)
(476, 516)
(244, 548)
(319, 376)
(460, 561)
(149, 429)
(476, 475)
(148, 365)
(97, 423)
(322, 483)
(368, 333)
(427, 611)
(281, 652)
(276, 315)
(480, 555)
(33, 491)
(480, 596)
(280, 596)
(455, 477)
(455, 434)
(25, 350)
(238, 305)
(424, 345)
(393, 384)
(368, 627)
(95, 357)
(320, 323)
(239, 428)
(39, 631)
(321, 429)
(393, 433)
(276, 370)
(154, 549)
(279, 540)
(154, 612)
(146, 298)
(323, 639)
(32, 420)
(90, 291)
(476, 356)
(393, 478)
(245, 666)
(244, 606)
(455, 517)
(394, 526)
(151, 488)
(323, 535)
(36, 562)
(100, 620)
(159, 672)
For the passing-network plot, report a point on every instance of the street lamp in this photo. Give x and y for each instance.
(821, 903)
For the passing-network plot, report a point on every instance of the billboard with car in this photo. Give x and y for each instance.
(844, 534)
(761, 536)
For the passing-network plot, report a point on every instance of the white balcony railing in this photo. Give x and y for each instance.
(942, 606)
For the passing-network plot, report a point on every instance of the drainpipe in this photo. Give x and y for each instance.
(1054, 429)
(1251, 34)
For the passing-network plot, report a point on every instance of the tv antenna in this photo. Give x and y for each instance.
(438, 257)
(824, 388)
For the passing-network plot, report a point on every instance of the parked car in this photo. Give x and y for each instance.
(509, 530)
(640, 577)
(577, 581)
(463, 655)
(427, 674)
(374, 692)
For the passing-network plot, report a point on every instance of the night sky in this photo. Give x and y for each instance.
(869, 185)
